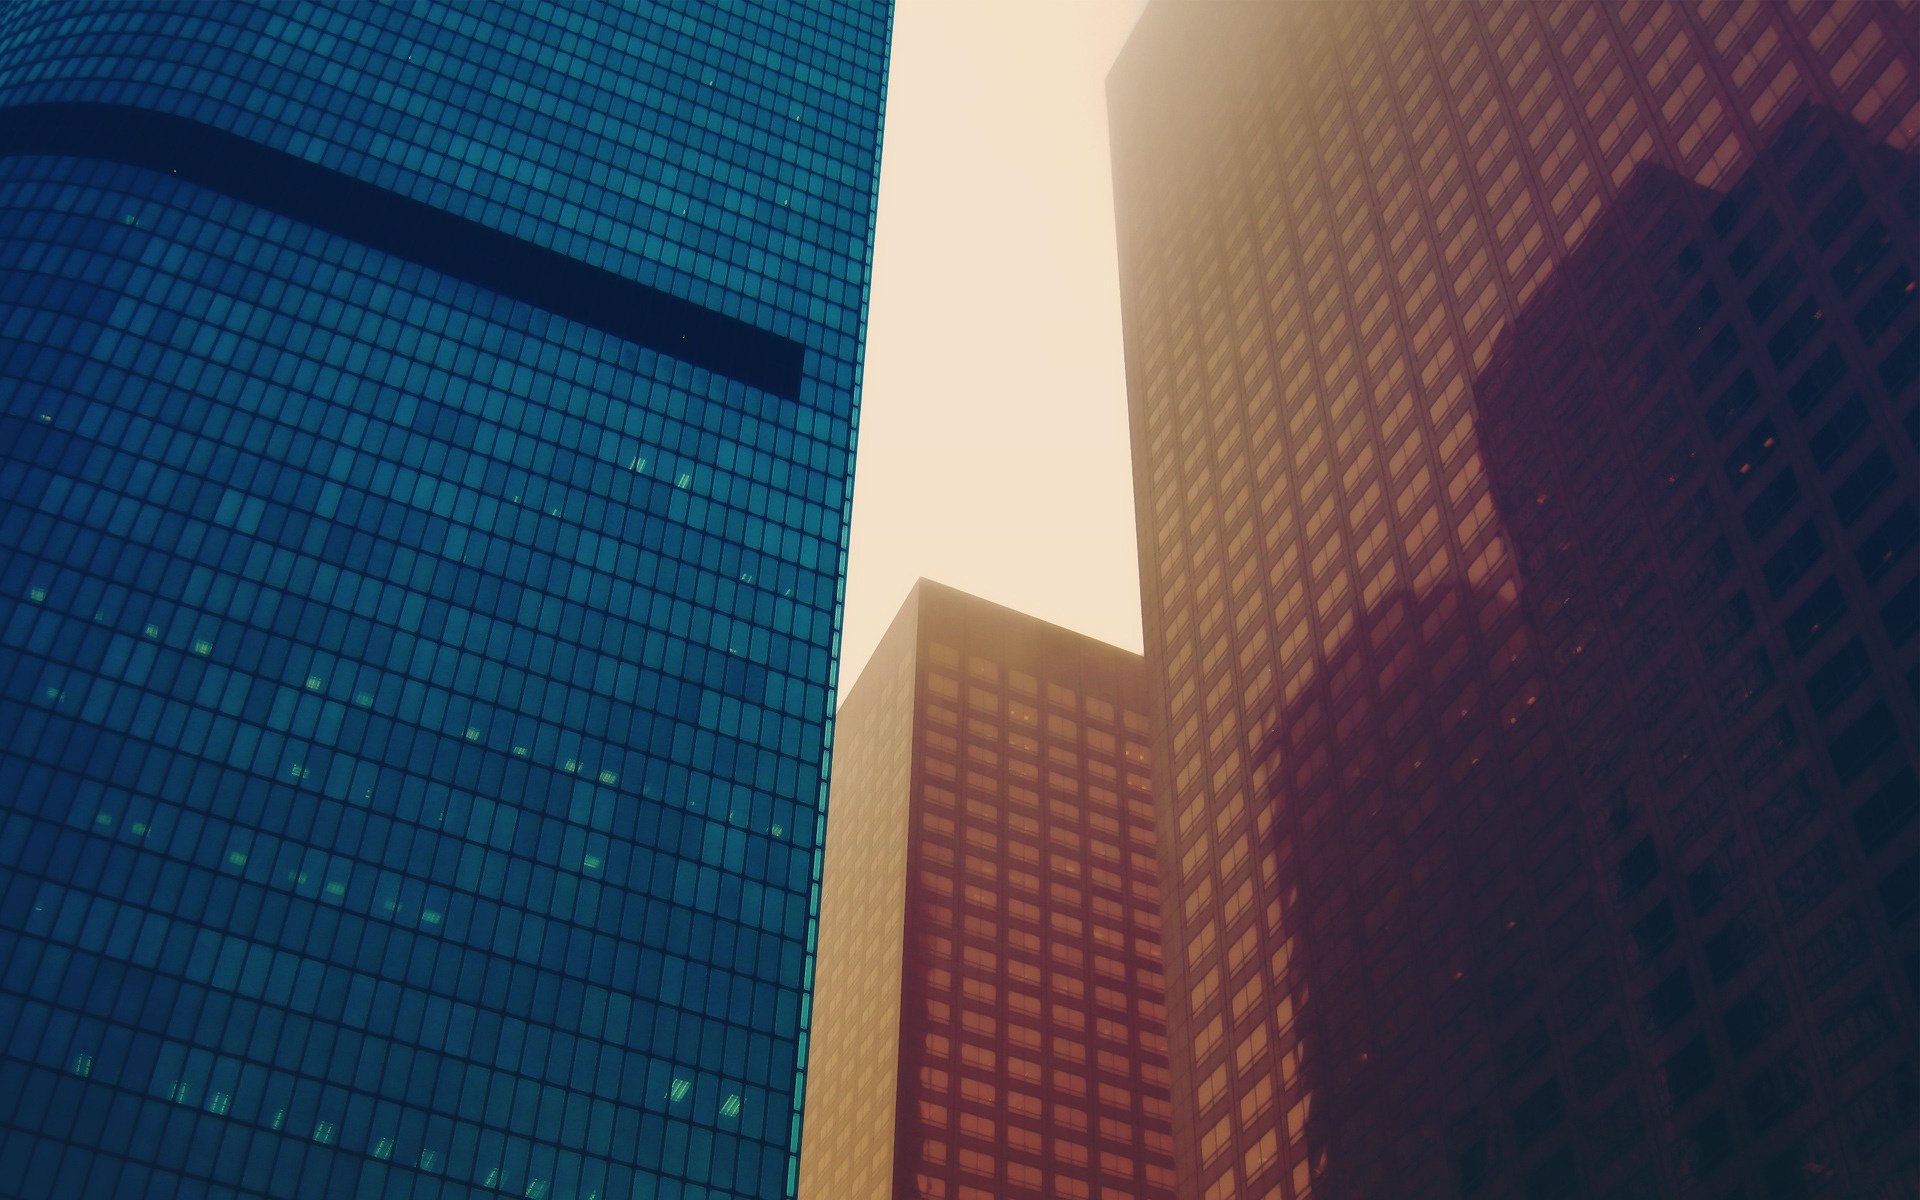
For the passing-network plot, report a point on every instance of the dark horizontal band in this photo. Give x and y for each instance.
(352, 208)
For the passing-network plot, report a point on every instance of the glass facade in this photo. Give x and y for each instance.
(1524, 421)
(992, 1017)
(426, 456)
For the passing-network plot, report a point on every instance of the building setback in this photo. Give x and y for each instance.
(425, 446)
(1524, 420)
(989, 1020)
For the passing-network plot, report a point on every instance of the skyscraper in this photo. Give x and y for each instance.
(426, 452)
(990, 1018)
(1524, 427)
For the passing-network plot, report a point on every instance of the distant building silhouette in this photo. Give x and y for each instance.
(989, 1017)
(1529, 550)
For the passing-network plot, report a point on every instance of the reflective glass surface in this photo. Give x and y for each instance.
(415, 675)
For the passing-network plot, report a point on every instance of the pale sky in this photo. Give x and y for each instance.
(993, 429)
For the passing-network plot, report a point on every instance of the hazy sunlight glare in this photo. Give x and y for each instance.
(993, 439)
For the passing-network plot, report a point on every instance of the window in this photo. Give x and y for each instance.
(1837, 214)
(1688, 1071)
(1773, 290)
(1752, 248)
(1815, 383)
(1793, 560)
(1795, 333)
(1638, 868)
(1538, 1113)
(1808, 623)
(1841, 432)
(1837, 680)
(1889, 810)
(1861, 743)
(1732, 403)
(1868, 482)
(1868, 251)
(1772, 505)
(1744, 463)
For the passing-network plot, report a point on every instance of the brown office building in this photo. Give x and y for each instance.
(989, 1010)
(1524, 420)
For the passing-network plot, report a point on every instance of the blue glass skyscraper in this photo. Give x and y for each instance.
(425, 444)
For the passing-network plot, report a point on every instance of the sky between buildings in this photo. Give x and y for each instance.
(993, 429)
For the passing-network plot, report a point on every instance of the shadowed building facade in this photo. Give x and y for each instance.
(1524, 434)
(989, 1016)
(1700, 436)
(425, 447)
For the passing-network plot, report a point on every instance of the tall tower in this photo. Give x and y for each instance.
(425, 443)
(989, 1013)
(1524, 424)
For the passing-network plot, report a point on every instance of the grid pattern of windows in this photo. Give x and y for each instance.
(1024, 953)
(1743, 607)
(415, 700)
(680, 146)
(853, 1084)
(1332, 219)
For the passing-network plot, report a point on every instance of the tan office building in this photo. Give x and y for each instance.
(989, 1011)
